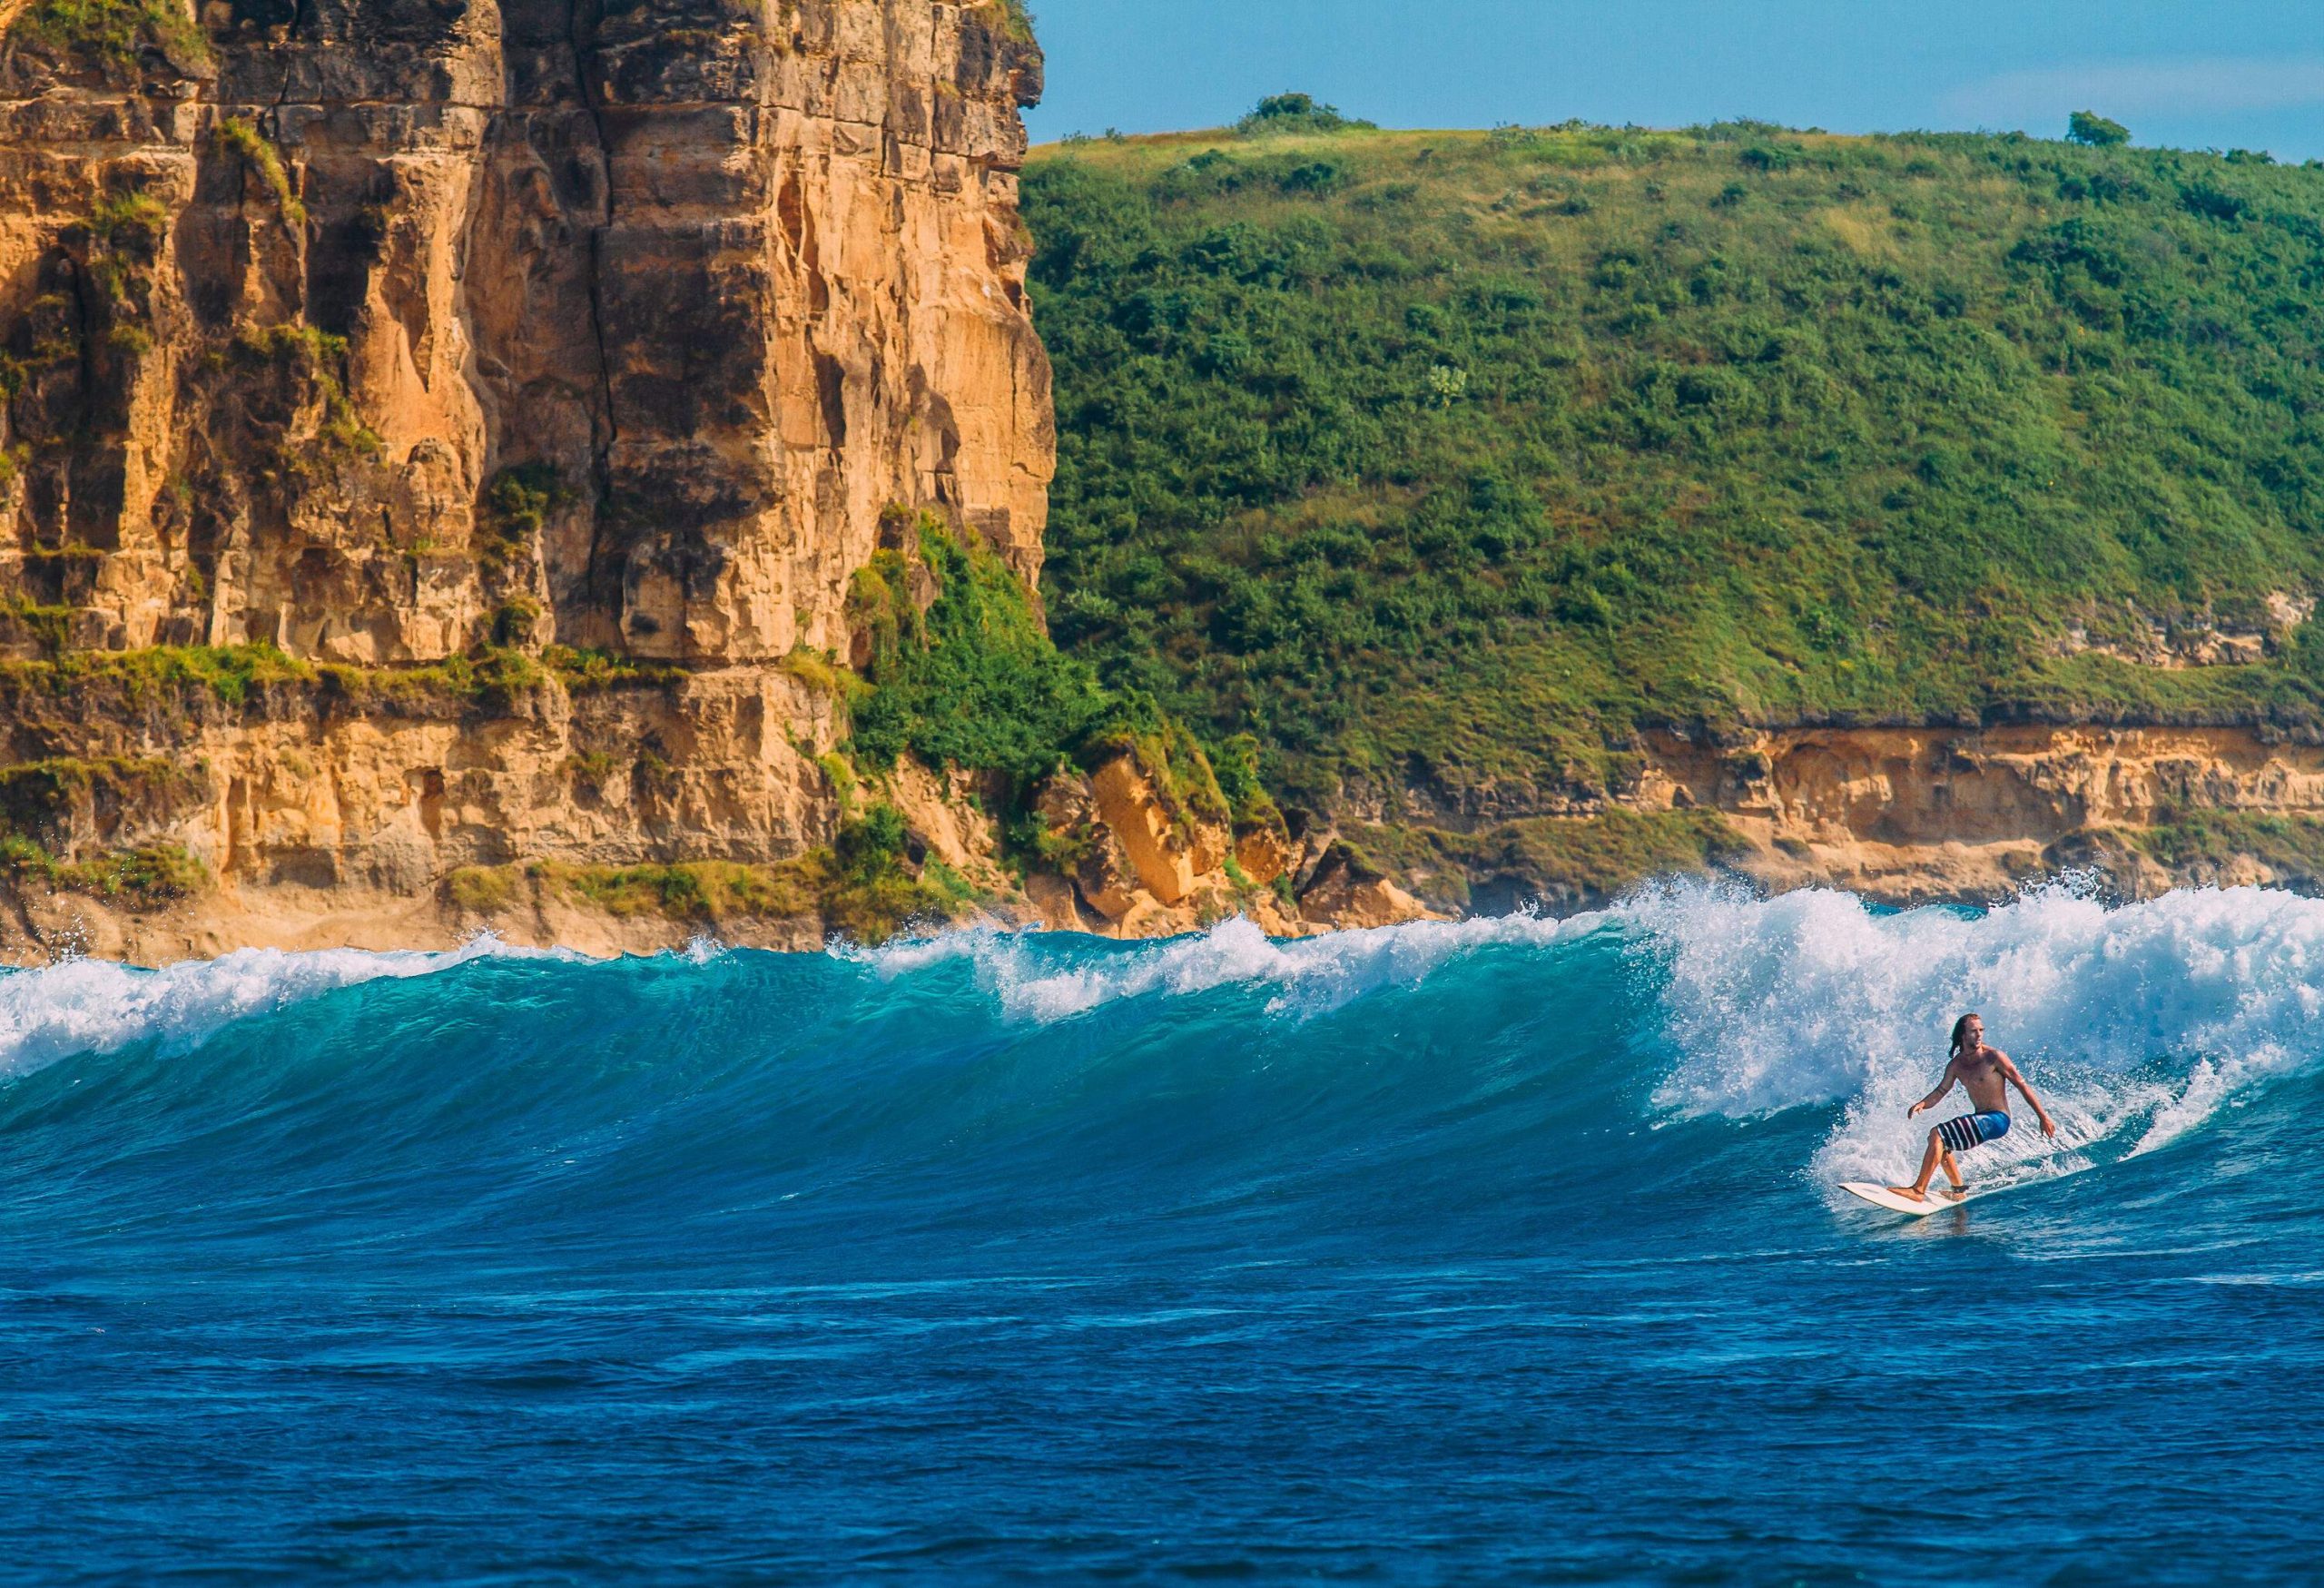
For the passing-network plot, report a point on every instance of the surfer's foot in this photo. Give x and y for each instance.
(1914, 1192)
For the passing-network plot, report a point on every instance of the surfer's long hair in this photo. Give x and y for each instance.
(1960, 1026)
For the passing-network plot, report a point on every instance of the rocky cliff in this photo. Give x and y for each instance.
(374, 328)
(439, 439)
(1946, 813)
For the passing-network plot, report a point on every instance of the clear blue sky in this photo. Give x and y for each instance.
(2246, 73)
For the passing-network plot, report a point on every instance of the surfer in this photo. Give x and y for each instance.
(1986, 1075)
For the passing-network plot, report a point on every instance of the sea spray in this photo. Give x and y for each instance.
(2136, 1021)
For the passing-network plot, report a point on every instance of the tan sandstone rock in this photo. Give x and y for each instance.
(1170, 850)
(1263, 854)
(1346, 891)
(720, 285)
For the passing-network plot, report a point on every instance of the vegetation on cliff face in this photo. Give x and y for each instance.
(1017, 20)
(144, 877)
(1447, 461)
(37, 799)
(242, 139)
(970, 680)
(487, 678)
(956, 668)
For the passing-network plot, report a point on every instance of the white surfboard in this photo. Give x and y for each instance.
(1882, 1197)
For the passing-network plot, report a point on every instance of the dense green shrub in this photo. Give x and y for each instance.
(872, 843)
(515, 508)
(1295, 112)
(973, 681)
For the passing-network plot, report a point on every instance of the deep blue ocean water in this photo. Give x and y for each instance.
(1503, 1251)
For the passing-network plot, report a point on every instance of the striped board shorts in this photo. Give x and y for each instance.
(1970, 1130)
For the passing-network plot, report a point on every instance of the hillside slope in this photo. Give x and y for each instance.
(1457, 466)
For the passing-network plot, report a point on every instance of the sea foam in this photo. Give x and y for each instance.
(96, 1006)
(1038, 976)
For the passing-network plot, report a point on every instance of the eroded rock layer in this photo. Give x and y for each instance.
(1910, 814)
(174, 815)
(1904, 816)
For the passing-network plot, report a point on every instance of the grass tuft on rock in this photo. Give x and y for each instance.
(242, 138)
(146, 877)
(111, 36)
(2206, 843)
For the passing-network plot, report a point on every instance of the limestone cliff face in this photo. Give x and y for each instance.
(377, 328)
(320, 818)
(383, 330)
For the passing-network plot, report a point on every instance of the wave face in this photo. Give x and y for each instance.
(1502, 1247)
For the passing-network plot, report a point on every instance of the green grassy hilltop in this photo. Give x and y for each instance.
(1443, 461)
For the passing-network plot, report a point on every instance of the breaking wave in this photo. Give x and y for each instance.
(1050, 1079)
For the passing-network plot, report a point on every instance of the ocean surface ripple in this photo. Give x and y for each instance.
(1493, 1249)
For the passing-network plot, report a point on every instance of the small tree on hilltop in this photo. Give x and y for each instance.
(2087, 127)
(1295, 112)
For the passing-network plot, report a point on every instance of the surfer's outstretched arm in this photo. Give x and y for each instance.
(1944, 1085)
(2049, 1126)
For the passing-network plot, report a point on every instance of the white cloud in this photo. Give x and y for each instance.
(2180, 86)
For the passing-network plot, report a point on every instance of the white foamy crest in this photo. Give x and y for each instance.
(1033, 980)
(702, 949)
(2135, 1021)
(84, 1006)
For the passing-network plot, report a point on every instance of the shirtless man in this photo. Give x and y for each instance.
(1986, 1075)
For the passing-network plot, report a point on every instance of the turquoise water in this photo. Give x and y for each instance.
(1497, 1250)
